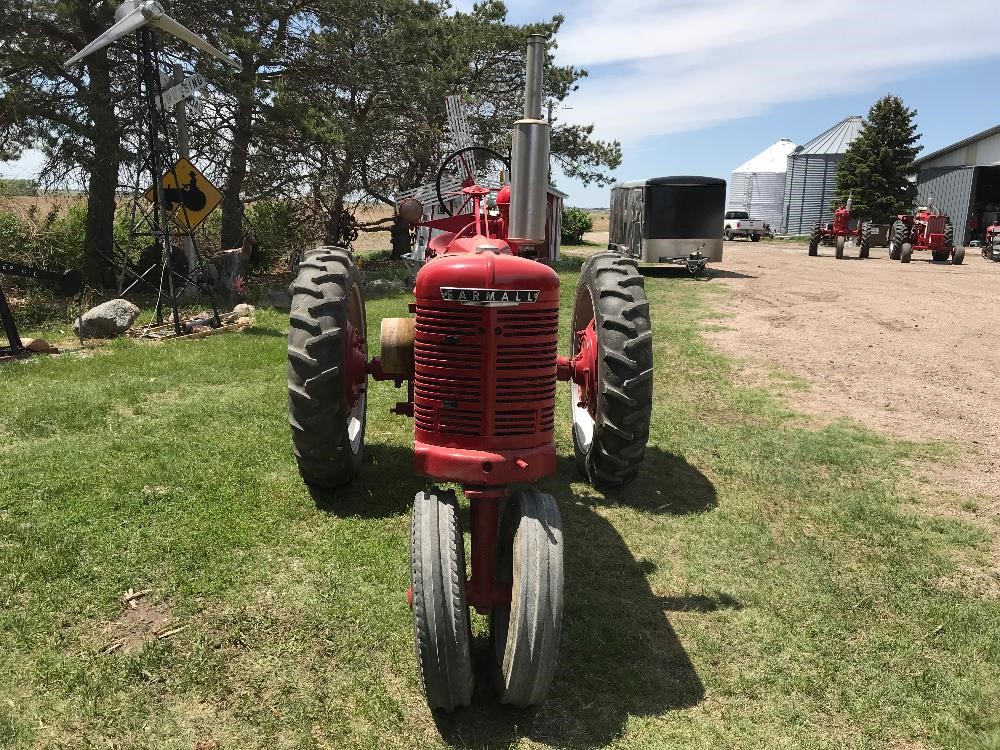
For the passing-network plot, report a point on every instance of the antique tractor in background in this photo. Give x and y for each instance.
(480, 361)
(928, 229)
(836, 233)
(991, 244)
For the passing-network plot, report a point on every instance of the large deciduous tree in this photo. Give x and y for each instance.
(69, 114)
(875, 171)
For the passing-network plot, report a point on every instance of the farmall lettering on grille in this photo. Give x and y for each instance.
(480, 362)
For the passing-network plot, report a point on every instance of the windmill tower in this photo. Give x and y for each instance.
(439, 197)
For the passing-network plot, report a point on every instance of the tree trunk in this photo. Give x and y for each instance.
(232, 203)
(102, 186)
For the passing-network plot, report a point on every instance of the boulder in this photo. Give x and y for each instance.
(279, 299)
(383, 287)
(107, 320)
(39, 346)
(243, 310)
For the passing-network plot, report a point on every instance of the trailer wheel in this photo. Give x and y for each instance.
(906, 253)
(327, 368)
(839, 252)
(611, 395)
(958, 257)
(898, 235)
(524, 635)
(865, 239)
(814, 237)
(441, 631)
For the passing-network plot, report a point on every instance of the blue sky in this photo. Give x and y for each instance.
(700, 86)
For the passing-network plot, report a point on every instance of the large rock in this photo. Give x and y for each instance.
(279, 299)
(383, 287)
(107, 320)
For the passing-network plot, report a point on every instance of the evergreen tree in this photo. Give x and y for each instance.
(874, 171)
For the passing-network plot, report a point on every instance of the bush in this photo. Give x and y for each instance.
(575, 223)
(278, 232)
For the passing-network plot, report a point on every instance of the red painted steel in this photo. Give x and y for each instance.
(485, 377)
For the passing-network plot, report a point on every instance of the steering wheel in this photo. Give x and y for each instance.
(463, 165)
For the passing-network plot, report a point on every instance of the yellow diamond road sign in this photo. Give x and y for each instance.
(188, 196)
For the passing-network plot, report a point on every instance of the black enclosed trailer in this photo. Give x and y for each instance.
(669, 220)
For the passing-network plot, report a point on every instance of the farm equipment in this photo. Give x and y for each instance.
(480, 361)
(929, 230)
(837, 231)
(991, 245)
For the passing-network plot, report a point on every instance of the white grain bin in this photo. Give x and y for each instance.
(758, 186)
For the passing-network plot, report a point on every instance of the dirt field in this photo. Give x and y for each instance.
(909, 350)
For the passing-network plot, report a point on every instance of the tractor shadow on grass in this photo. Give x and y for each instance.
(619, 655)
(385, 486)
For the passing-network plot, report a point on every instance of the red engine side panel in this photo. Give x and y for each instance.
(485, 376)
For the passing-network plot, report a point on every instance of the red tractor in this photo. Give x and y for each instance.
(928, 229)
(991, 245)
(480, 361)
(836, 233)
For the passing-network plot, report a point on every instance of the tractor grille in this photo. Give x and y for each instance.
(484, 372)
(935, 224)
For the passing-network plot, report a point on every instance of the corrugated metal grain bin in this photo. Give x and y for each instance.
(811, 174)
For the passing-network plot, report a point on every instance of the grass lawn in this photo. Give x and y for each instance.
(764, 584)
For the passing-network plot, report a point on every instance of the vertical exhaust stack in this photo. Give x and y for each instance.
(530, 156)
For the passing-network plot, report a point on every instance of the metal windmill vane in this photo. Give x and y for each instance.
(141, 17)
(132, 15)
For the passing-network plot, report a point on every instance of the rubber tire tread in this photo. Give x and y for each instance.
(839, 251)
(814, 238)
(625, 370)
(525, 635)
(959, 256)
(441, 630)
(866, 239)
(317, 402)
(897, 236)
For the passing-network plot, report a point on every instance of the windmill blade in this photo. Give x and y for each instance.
(166, 23)
(132, 21)
(458, 122)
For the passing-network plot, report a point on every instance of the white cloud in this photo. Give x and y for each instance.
(666, 66)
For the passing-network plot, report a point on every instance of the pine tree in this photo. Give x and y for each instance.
(874, 171)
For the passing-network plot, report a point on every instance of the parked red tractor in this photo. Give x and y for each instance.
(991, 244)
(480, 360)
(836, 233)
(928, 229)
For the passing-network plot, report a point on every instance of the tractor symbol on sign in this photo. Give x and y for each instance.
(190, 195)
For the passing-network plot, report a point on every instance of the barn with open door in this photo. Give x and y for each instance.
(963, 181)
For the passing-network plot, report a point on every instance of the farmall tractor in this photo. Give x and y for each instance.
(836, 233)
(991, 244)
(928, 229)
(479, 357)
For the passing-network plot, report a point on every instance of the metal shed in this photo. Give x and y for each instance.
(758, 185)
(963, 181)
(810, 177)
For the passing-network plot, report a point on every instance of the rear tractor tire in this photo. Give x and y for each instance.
(839, 251)
(814, 238)
(865, 240)
(327, 353)
(441, 631)
(525, 634)
(611, 396)
(898, 235)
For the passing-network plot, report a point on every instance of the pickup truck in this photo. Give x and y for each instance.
(739, 224)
